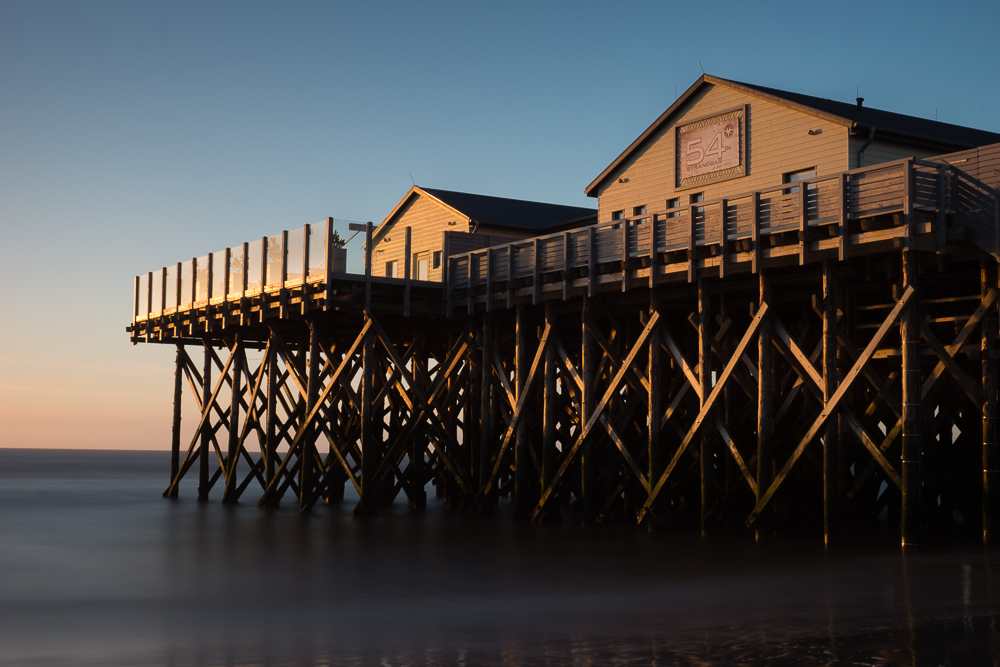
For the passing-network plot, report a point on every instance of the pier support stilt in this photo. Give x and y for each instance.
(175, 427)
(549, 406)
(912, 446)
(232, 450)
(522, 457)
(706, 458)
(589, 496)
(369, 433)
(991, 449)
(765, 413)
(308, 472)
(831, 443)
(206, 433)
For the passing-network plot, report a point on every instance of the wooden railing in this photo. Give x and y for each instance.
(905, 187)
(268, 264)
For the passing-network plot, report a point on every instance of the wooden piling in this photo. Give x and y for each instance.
(831, 443)
(765, 393)
(522, 457)
(175, 423)
(991, 449)
(909, 329)
(706, 458)
(206, 433)
(549, 406)
(369, 431)
(232, 450)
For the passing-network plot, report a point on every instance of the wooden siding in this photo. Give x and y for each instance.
(428, 220)
(777, 142)
(981, 163)
(883, 151)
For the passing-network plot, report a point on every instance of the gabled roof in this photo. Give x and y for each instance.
(499, 211)
(888, 125)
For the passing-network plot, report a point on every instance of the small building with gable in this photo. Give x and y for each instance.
(442, 223)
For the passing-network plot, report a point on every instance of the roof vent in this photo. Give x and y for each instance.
(861, 101)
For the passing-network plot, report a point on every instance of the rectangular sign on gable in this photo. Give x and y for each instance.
(711, 149)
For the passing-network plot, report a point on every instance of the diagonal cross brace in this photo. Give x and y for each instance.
(626, 366)
(720, 383)
(831, 406)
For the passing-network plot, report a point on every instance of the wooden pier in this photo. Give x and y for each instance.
(804, 358)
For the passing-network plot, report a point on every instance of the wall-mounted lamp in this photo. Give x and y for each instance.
(387, 239)
(814, 132)
(452, 223)
(623, 180)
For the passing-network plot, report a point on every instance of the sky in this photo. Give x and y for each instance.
(138, 134)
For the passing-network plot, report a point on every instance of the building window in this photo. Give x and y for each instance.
(796, 176)
(618, 215)
(697, 198)
(421, 262)
(436, 264)
(673, 206)
(392, 269)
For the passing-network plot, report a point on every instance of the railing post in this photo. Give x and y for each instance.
(489, 284)
(262, 298)
(565, 271)
(208, 292)
(723, 250)
(653, 258)
(908, 201)
(448, 289)
(625, 254)
(510, 275)
(368, 267)
(328, 263)
(470, 282)
(591, 260)
(407, 270)
(228, 260)
(135, 293)
(536, 292)
(942, 204)
(842, 227)
(803, 224)
(306, 230)
(692, 246)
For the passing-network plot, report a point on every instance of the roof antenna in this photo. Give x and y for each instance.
(675, 93)
(935, 113)
(701, 66)
(411, 178)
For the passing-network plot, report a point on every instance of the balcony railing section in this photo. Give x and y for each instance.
(824, 203)
(265, 265)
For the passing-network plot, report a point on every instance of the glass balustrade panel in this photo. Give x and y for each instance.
(236, 262)
(187, 281)
(171, 296)
(142, 296)
(218, 273)
(156, 304)
(273, 273)
(254, 275)
(317, 249)
(201, 278)
(296, 248)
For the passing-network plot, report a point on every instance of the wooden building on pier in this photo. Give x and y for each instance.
(442, 223)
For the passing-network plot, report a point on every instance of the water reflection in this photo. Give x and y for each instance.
(96, 568)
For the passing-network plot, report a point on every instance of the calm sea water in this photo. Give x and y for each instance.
(97, 569)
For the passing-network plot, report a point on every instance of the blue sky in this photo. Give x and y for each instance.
(135, 134)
